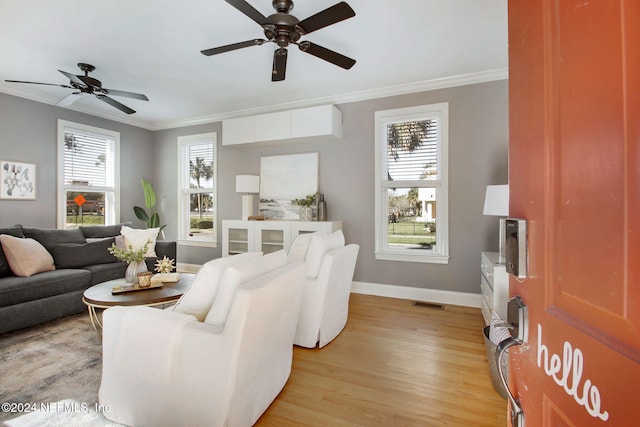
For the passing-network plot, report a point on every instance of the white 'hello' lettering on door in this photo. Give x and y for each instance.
(571, 364)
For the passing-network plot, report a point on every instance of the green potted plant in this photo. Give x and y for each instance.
(150, 218)
(306, 206)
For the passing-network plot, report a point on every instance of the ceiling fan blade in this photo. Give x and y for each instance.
(279, 70)
(115, 92)
(327, 54)
(69, 99)
(336, 13)
(116, 104)
(73, 78)
(248, 10)
(37, 83)
(230, 47)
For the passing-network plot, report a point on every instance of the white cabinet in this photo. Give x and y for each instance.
(494, 287)
(238, 131)
(273, 126)
(315, 121)
(240, 236)
(303, 123)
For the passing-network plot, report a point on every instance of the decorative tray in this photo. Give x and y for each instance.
(134, 287)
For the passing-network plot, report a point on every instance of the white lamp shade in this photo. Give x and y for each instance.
(496, 200)
(247, 184)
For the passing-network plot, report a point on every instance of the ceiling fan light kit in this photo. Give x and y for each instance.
(284, 29)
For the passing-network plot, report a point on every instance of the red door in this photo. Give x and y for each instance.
(574, 165)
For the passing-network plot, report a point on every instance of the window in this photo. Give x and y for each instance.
(411, 206)
(197, 169)
(88, 175)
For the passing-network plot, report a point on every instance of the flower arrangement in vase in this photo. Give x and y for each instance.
(135, 258)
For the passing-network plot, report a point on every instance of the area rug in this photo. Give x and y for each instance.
(50, 375)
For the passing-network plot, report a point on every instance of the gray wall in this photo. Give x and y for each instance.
(28, 132)
(478, 138)
(478, 141)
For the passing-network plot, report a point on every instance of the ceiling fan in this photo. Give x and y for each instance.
(284, 29)
(88, 85)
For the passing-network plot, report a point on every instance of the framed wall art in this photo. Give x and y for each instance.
(284, 181)
(17, 180)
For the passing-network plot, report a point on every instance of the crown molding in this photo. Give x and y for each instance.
(402, 89)
(383, 92)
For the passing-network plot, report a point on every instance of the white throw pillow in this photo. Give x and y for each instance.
(119, 240)
(299, 246)
(321, 244)
(202, 292)
(237, 274)
(26, 257)
(138, 237)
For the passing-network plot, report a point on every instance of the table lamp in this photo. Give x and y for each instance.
(248, 185)
(496, 203)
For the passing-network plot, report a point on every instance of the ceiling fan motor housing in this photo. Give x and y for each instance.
(282, 29)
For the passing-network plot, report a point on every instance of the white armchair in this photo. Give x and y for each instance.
(166, 368)
(327, 286)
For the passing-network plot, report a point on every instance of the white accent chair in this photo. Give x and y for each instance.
(327, 286)
(166, 368)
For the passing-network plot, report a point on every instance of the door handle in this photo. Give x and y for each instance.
(517, 318)
(517, 415)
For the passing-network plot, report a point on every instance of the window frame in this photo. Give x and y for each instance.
(112, 214)
(440, 255)
(184, 190)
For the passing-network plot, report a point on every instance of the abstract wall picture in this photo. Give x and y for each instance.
(283, 181)
(17, 180)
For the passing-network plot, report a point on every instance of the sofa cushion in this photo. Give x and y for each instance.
(138, 237)
(26, 257)
(300, 245)
(234, 276)
(76, 255)
(105, 272)
(50, 238)
(5, 270)
(96, 231)
(200, 295)
(16, 290)
(319, 245)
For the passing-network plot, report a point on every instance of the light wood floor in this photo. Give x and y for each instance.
(393, 365)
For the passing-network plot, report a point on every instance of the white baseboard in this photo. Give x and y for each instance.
(419, 294)
(392, 291)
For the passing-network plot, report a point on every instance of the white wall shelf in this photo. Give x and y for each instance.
(324, 121)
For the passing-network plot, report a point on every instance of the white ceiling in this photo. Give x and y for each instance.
(153, 47)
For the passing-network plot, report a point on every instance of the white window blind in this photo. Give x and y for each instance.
(414, 155)
(85, 159)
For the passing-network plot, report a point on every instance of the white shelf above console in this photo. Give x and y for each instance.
(324, 121)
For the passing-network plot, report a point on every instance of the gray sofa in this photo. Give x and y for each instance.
(82, 260)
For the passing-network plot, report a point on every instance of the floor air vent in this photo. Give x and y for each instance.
(432, 305)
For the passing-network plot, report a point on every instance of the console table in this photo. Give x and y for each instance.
(239, 236)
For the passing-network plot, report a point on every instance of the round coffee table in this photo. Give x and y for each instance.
(100, 296)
